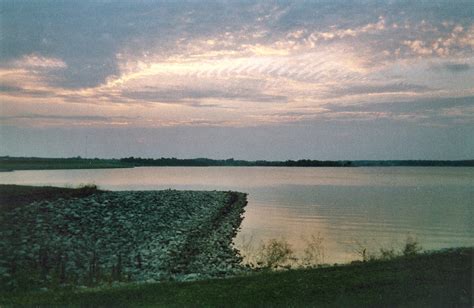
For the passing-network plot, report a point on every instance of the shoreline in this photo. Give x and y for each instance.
(437, 279)
(36, 163)
(121, 236)
(188, 260)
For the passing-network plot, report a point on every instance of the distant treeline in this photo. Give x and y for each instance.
(38, 163)
(206, 162)
(413, 163)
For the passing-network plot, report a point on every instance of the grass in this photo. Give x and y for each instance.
(17, 195)
(441, 279)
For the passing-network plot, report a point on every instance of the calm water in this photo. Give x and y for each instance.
(347, 207)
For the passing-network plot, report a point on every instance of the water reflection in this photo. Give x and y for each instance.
(378, 207)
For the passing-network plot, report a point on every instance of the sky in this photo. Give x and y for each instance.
(244, 79)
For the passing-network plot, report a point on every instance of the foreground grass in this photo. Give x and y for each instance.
(18, 195)
(441, 279)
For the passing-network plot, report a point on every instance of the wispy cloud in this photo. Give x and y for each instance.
(65, 117)
(34, 61)
(457, 67)
(434, 111)
(377, 89)
(187, 95)
(26, 120)
(233, 64)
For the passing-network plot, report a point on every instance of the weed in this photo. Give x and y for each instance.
(313, 254)
(275, 253)
(387, 253)
(412, 247)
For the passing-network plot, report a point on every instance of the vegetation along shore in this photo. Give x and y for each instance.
(86, 246)
(8, 163)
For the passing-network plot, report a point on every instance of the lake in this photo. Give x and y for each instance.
(348, 208)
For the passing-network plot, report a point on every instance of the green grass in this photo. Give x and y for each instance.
(441, 279)
(17, 195)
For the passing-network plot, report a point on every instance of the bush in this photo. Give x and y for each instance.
(412, 247)
(275, 253)
(387, 254)
(88, 187)
(279, 253)
(314, 251)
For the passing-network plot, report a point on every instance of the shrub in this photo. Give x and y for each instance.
(412, 247)
(275, 253)
(313, 254)
(360, 248)
(387, 254)
(88, 187)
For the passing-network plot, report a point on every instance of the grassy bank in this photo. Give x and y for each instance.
(441, 279)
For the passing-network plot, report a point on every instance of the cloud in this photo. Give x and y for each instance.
(228, 62)
(407, 106)
(16, 91)
(419, 47)
(66, 117)
(8, 88)
(45, 120)
(367, 89)
(444, 112)
(454, 68)
(457, 67)
(443, 41)
(377, 27)
(436, 111)
(29, 76)
(34, 61)
(188, 95)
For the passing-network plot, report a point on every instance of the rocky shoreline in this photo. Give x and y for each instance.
(132, 236)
